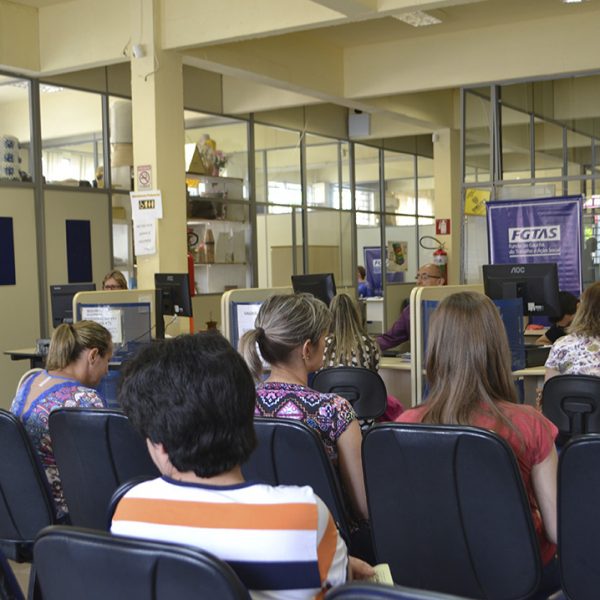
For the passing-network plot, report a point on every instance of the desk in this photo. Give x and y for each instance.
(36, 360)
(533, 378)
(395, 373)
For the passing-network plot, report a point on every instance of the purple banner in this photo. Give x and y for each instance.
(538, 231)
(372, 256)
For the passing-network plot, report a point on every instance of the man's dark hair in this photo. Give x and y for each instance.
(194, 395)
(568, 305)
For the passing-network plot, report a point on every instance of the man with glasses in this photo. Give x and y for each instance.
(428, 274)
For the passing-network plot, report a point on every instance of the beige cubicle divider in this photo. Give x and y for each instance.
(419, 295)
(117, 297)
(207, 308)
(244, 295)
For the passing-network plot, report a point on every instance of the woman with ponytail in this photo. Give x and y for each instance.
(77, 360)
(289, 334)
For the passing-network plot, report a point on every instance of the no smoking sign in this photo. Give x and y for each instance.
(144, 177)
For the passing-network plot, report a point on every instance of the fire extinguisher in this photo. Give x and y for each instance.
(440, 256)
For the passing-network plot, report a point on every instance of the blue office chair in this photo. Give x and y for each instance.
(449, 512)
(578, 523)
(96, 450)
(81, 563)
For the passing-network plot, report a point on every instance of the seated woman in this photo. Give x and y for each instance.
(578, 353)
(77, 360)
(470, 383)
(290, 333)
(349, 345)
(568, 306)
(115, 280)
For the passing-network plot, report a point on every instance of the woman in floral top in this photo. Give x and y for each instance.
(290, 333)
(578, 353)
(77, 360)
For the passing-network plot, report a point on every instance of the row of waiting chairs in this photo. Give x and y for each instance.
(439, 497)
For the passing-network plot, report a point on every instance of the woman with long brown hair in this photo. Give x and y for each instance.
(470, 383)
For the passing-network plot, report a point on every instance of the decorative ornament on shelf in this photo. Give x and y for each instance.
(213, 160)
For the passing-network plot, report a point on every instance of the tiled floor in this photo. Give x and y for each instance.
(22, 573)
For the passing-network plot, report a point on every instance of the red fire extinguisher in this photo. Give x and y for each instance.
(440, 256)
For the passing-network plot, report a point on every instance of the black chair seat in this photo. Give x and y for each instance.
(80, 563)
(572, 403)
(373, 591)
(363, 388)
(96, 451)
(578, 523)
(449, 512)
(26, 505)
(291, 453)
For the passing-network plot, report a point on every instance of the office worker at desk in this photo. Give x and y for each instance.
(470, 383)
(578, 353)
(115, 280)
(568, 307)
(428, 274)
(77, 360)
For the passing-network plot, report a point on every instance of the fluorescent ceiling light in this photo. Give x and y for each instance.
(418, 18)
(573, 1)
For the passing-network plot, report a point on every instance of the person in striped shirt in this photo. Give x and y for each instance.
(192, 398)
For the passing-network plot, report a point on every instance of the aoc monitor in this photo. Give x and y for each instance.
(320, 285)
(61, 300)
(535, 283)
(173, 294)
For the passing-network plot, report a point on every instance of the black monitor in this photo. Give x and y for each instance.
(320, 285)
(61, 300)
(535, 283)
(174, 294)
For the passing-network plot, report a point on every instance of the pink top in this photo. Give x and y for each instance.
(531, 447)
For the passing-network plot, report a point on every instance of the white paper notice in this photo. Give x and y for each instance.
(246, 316)
(146, 206)
(144, 237)
(107, 317)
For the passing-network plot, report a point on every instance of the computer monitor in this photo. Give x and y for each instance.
(320, 285)
(61, 300)
(129, 323)
(535, 283)
(174, 296)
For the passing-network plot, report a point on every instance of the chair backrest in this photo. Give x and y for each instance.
(374, 591)
(578, 523)
(96, 451)
(78, 563)
(449, 512)
(363, 388)
(9, 586)
(26, 505)
(291, 453)
(572, 403)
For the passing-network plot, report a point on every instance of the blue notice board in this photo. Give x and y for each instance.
(7, 252)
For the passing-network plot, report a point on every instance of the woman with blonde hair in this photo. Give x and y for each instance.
(578, 352)
(348, 344)
(115, 280)
(470, 383)
(77, 360)
(289, 334)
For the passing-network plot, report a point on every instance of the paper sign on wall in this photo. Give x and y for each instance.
(144, 237)
(146, 206)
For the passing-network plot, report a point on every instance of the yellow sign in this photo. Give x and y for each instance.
(475, 201)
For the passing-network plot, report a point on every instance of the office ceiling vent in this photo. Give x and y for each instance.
(418, 18)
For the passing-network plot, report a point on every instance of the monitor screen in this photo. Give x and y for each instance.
(320, 285)
(535, 283)
(129, 323)
(174, 291)
(61, 300)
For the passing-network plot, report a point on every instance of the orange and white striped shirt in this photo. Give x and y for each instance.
(281, 541)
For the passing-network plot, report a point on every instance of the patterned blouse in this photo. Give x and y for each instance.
(575, 355)
(65, 392)
(369, 359)
(329, 414)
